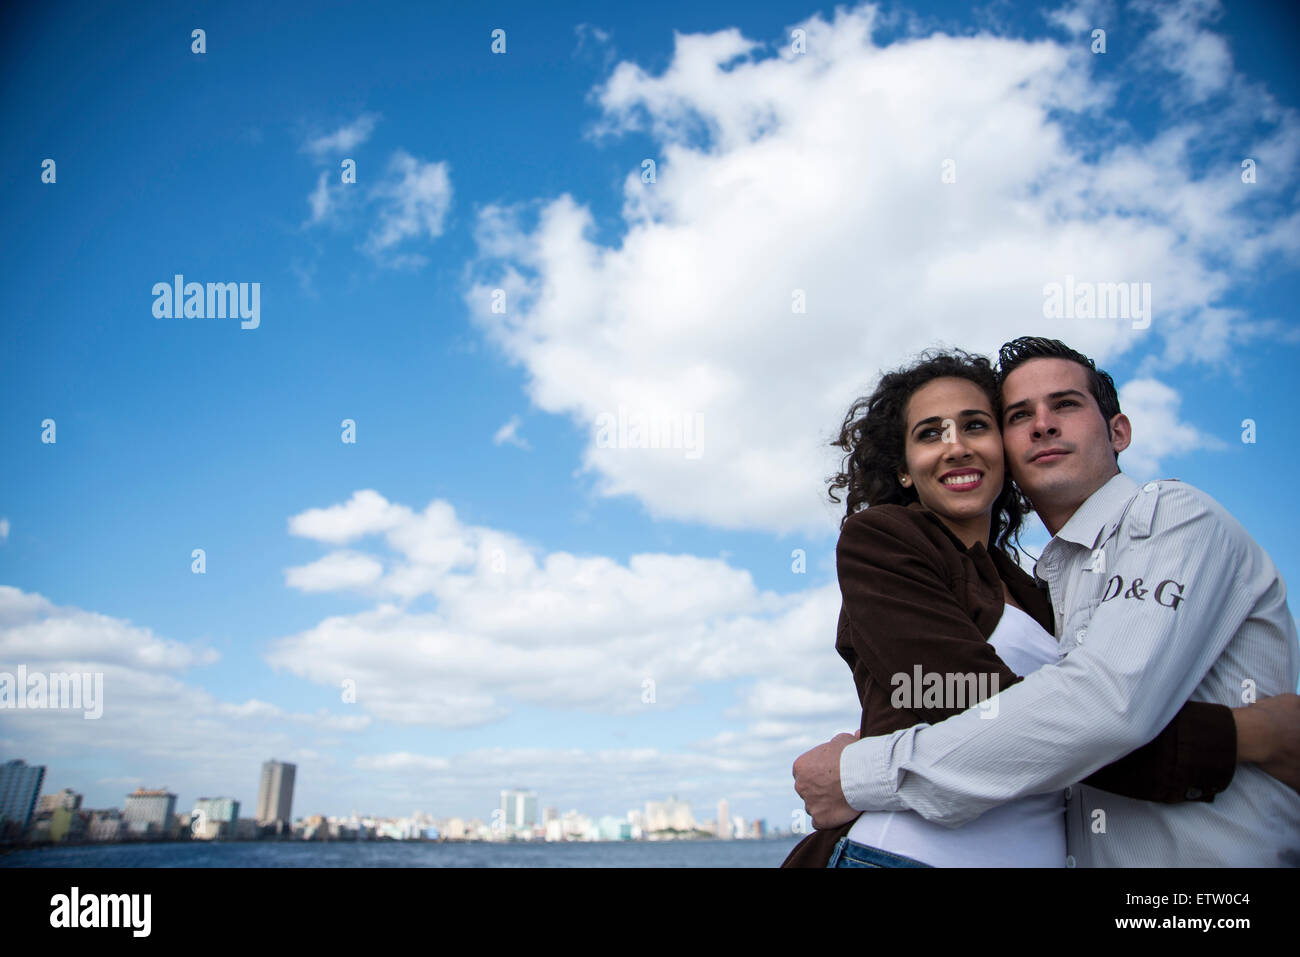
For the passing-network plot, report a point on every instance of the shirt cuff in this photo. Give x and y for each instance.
(1207, 747)
(864, 772)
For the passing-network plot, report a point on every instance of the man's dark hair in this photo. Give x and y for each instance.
(1019, 351)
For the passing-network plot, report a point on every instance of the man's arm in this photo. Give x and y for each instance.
(1141, 661)
(1267, 735)
(902, 614)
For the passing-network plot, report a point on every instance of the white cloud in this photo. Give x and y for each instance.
(1083, 16)
(337, 570)
(770, 699)
(322, 199)
(36, 631)
(366, 513)
(591, 40)
(344, 139)
(510, 433)
(819, 176)
(1152, 407)
(401, 761)
(414, 198)
(409, 198)
(514, 624)
(4, 529)
(1179, 43)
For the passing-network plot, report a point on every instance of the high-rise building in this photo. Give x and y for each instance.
(275, 794)
(519, 809)
(723, 829)
(149, 813)
(67, 799)
(106, 825)
(214, 818)
(68, 824)
(20, 785)
(670, 815)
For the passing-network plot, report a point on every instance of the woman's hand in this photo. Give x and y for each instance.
(817, 781)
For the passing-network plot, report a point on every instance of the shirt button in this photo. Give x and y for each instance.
(1150, 487)
(1069, 861)
(1068, 792)
(1193, 793)
(1081, 634)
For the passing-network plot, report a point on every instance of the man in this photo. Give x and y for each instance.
(1159, 597)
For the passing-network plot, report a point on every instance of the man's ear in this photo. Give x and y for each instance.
(1121, 432)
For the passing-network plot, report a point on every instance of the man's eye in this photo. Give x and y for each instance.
(1067, 402)
(1014, 415)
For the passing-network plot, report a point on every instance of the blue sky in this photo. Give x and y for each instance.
(503, 637)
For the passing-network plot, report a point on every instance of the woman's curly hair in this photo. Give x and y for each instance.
(873, 438)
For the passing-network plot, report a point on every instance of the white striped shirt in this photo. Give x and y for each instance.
(1159, 597)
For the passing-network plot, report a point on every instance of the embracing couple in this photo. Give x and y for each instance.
(1130, 704)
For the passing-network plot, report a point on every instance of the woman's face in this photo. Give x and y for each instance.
(953, 449)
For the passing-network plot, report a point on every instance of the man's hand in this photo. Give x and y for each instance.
(1268, 734)
(817, 781)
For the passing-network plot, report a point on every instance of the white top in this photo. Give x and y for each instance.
(1027, 832)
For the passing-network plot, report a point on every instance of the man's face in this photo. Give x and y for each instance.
(1057, 444)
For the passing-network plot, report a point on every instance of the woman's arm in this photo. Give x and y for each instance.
(903, 614)
(1192, 759)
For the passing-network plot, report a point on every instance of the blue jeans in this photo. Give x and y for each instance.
(852, 854)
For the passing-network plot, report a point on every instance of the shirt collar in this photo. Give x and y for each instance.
(1090, 518)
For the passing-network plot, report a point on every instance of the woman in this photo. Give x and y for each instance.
(937, 615)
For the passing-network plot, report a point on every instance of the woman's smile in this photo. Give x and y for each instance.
(963, 480)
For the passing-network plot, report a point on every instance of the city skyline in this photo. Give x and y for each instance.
(151, 814)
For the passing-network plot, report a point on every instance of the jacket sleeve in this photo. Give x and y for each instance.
(903, 614)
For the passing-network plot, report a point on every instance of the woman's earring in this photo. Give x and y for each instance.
(905, 480)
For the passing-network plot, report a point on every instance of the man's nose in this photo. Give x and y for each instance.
(1045, 423)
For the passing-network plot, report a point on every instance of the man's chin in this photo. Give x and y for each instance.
(1046, 486)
